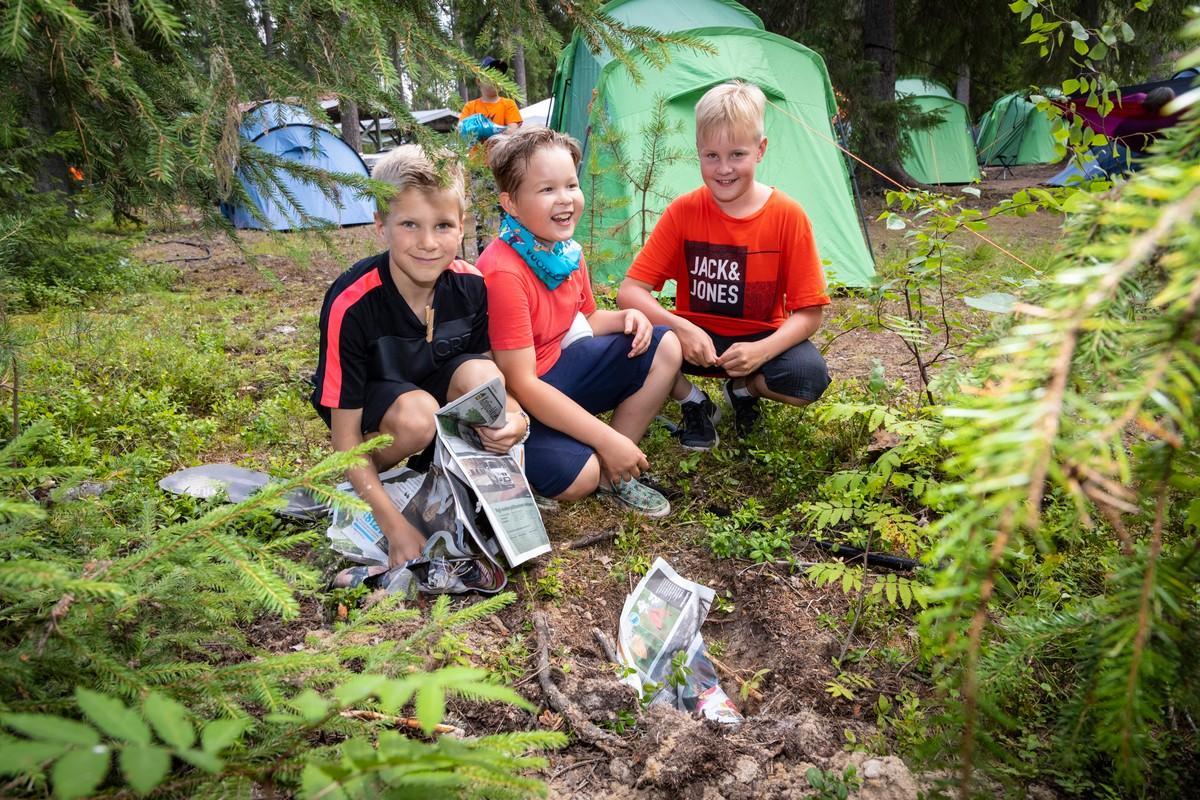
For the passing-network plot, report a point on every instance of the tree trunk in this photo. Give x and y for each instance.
(879, 47)
(268, 28)
(962, 89)
(519, 64)
(398, 63)
(351, 132)
(463, 91)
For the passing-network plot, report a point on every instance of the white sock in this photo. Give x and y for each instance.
(741, 391)
(694, 396)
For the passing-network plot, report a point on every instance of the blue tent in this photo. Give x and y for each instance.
(1102, 161)
(290, 132)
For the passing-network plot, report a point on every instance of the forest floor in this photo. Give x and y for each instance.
(256, 305)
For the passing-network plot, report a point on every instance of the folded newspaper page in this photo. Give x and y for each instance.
(498, 480)
(662, 618)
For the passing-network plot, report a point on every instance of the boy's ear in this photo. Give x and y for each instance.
(762, 148)
(506, 203)
(380, 225)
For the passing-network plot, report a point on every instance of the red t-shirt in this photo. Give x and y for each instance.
(735, 276)
(522, 312)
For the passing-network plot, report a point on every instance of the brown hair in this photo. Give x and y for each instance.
(509, 153)
(410, 167)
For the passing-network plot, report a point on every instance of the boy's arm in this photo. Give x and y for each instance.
(697, 345)
(619, 457)
(743, 358)
(404, 541)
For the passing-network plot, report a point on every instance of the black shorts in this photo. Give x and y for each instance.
(798, 372)
(381, 394)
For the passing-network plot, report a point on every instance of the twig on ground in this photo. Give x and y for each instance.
(402, 722)
(584, 728)
(207, 253)
(594, 537)
(558, 773)
(606, 645)
(730, 672)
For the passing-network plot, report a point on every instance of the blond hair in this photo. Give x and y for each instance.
(509, 153)
(730, 108)
(410, 167)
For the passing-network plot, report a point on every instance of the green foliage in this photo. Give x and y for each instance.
(1075, 449)
(832, 786)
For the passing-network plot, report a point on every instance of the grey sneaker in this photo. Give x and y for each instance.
(633, 496)
(745, 411)
(698, 430)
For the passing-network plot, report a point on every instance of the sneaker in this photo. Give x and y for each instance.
(633, 496)
(698, 430)
(745, 411)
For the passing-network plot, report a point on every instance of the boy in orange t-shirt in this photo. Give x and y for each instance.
(750, 288)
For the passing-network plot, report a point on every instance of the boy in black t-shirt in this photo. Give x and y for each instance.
(403, 332)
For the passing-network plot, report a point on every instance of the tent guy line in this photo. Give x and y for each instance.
(899, 185)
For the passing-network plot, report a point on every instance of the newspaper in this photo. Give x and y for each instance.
(662, 618)
(461, 551)
(498, 480)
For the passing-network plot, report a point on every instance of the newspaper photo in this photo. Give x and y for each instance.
(497, 479)
(660, 620)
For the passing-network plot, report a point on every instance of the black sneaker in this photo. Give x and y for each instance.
(698, 430)
(745, 411)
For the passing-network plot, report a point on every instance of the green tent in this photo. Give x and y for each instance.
(944, 153)
(802, 158)
(1014, 132)
(579, 68)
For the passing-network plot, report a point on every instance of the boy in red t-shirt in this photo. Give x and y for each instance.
(749, 282)
(539, 298)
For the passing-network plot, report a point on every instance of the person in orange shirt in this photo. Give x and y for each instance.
(497, 114)
(750, 284)
(500, 110)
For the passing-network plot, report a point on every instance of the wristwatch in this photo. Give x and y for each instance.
(528, 427)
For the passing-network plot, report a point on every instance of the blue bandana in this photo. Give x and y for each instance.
(553, 264)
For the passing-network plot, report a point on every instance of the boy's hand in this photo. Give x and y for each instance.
(638, 324)
(620, 458)
(743, 358)
(404, 541)
(501, 440)
(698, 347)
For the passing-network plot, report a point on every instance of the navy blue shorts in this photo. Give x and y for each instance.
(598, 374)
(798, 372)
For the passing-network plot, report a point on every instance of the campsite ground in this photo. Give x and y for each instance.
(222, 360)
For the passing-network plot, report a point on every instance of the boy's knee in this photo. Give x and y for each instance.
(411, 418)
(585, 482)
(669, 354)
(472, 373)
(800, 377)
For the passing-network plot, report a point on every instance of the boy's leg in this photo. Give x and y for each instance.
(408, 419)
(633, 415)
(470, 373)
(797, 376)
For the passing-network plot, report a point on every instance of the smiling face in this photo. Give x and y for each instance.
(422, 231)
(548, 200)
(728, 159)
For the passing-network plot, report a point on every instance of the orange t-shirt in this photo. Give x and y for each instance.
(523, 312)
(735, 276)
(502, 112)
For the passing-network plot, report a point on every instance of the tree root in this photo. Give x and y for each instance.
(583, 727)
(594, 537)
